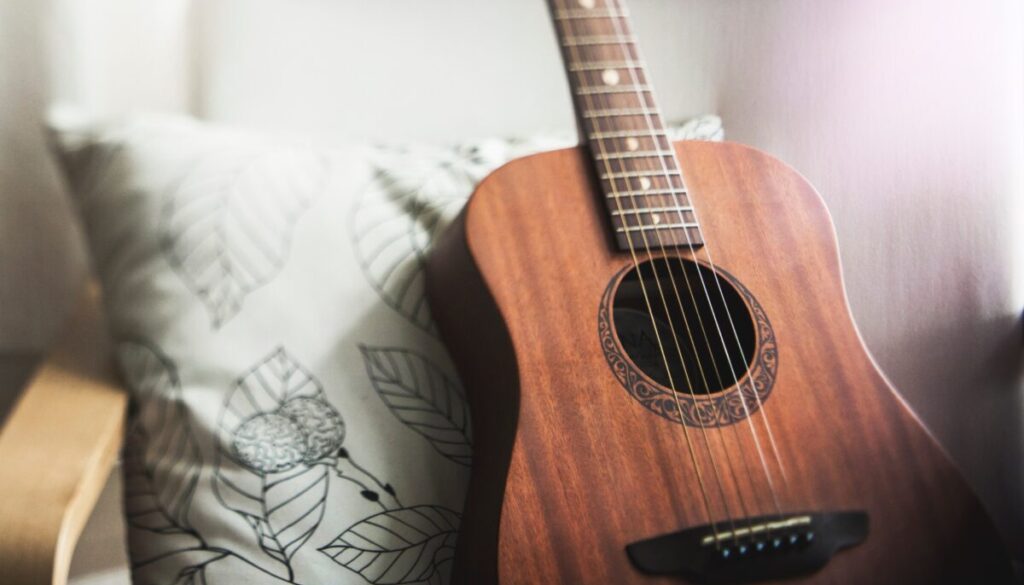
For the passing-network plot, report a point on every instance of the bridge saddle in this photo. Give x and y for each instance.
(751, 549)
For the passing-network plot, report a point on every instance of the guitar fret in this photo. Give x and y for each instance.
(579, 14)
(656, 226)
(627, 134)
(638, 89)
(638, 174)
(625, 130)
(619, 112)
(631, 155)
(630, 194)
(602, 65)
(588, 41)
(651, 210)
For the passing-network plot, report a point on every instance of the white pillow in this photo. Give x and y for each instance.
(295, 418)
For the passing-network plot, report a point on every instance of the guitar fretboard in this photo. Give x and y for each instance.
(633, 156)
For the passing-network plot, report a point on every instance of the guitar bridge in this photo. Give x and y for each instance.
(752, 549)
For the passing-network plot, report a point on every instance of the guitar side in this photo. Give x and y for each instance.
(569, 469)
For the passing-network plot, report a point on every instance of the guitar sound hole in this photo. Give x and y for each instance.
(703, 350)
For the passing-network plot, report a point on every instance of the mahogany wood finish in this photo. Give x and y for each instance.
(569, 468)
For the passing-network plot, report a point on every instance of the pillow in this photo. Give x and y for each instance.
(294, 416)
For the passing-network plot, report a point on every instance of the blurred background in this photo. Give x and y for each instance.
(907, 115)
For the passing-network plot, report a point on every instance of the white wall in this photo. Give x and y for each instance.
(446, 70)
(39, 255)
(909, 118)
(908, 115)
(107, 55)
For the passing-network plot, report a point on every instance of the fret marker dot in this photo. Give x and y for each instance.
(588, 3)
(632, 144)
(610, 77)
(645, 183)
(655, 218)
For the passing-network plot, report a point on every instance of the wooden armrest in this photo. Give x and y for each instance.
(57, 449)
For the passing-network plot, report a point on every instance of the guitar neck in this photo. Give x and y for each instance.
(621, 123)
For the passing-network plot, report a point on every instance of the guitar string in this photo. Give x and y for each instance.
(746, 466)
(675, 339)
(568, 28)
(624, 31)
(733, 370)
(698, 414)
(620, 24)
(718, 326)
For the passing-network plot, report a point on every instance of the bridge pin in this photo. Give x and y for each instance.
(810, 536)
(760, 546)
(726, 552)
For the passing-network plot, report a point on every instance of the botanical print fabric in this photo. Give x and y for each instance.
(294, 417)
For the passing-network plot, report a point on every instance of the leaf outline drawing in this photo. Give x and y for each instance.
(399, 547)
(226, 228)
(423, 398)
(184, 566)
(161, 468)
(410, 200)
(282, 503)
(163, 450)
(278, 442)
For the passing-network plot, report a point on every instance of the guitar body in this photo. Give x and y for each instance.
(571, 466)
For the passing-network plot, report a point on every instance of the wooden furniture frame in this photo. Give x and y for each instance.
(57, 449)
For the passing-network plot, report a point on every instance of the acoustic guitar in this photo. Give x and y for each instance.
(665, 380)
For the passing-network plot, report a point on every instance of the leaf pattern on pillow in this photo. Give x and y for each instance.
(163, 457)
(266, 471)
(280, 440)
(161, 466)
(396, 547)
(410, 200)
(423, 398)
(181, 567)
(227, 227)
